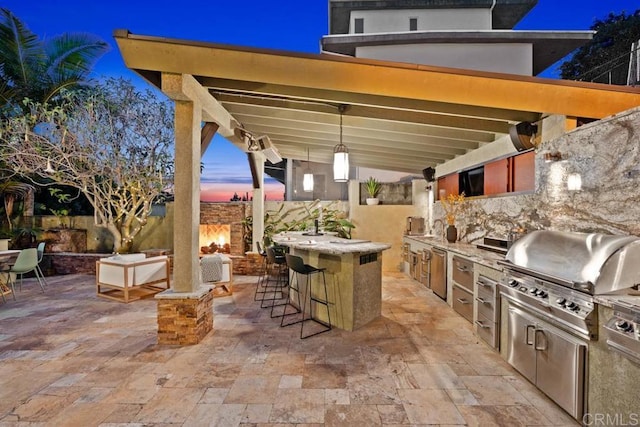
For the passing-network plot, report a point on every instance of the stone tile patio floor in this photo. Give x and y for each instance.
(68, 358)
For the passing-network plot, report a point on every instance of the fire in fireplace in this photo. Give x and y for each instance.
(215, 238)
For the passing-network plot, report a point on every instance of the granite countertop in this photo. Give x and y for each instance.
(468, 250)
(628, 298)
(328, 243)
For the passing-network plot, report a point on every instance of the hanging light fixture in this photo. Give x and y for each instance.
(307, 180)
(341, 156)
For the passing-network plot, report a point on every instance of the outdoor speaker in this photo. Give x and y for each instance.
(429, 174)
(521, 135)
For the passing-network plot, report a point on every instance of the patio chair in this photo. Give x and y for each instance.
(40, 249)
(26, 262)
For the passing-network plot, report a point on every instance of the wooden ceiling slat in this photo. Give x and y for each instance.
(400, 116)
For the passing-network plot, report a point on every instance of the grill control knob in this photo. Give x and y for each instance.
(533, 291)
(622, 325)
(513, 283)
(542, 294)
(572, 306)
(561, 301)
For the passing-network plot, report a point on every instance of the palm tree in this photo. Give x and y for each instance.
(39, 69)
(12, 191)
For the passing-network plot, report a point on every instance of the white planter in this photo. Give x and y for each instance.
(372, 200)
(4, 244)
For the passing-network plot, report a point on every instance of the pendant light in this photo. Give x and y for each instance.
(341, 156)
(307, 180)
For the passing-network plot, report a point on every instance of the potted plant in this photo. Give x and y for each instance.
(373, 188)
(452, 206)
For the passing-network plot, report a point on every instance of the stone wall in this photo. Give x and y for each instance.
(605, 153)
(70, 263)
(65, 240)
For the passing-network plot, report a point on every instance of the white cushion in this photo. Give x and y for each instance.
(122, 258)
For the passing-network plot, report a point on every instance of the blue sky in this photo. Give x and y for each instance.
(277, 24)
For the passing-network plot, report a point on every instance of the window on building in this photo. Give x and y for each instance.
(358, 25)
(413, 24)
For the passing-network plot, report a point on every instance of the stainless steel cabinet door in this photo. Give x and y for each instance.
(425, 267)
(520, 352)
(439, 273)
(560, 368)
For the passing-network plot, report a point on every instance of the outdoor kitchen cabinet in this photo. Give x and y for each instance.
(496, 177)
(552, 360)
(523, 174)
(462, 287)
(487, 304)
(416, 257)
(448, 185)
(438, 272)
(487, 311)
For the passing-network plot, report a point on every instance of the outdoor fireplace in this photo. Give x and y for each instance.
(221, 228)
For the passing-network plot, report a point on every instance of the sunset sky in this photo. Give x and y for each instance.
(277, 24)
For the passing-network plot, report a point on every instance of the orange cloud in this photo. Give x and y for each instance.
(221, 192)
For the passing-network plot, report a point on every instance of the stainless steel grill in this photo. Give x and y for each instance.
(592, 263)
(550, 282)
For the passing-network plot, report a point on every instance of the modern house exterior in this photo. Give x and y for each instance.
(466, 34)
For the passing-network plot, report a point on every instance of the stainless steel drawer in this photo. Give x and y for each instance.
(406, 248)
(463, 302)
(463, 272)
(486, 330)
(487, 307)
(487, 287)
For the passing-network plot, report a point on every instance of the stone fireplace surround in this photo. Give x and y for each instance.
(232, 214)
(227, 214)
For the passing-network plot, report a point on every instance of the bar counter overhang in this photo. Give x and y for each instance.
(353, 274)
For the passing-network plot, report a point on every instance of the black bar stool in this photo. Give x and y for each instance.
(298, 266)
(276, 279)
(260, 289)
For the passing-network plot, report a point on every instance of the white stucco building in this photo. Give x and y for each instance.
(466, 34)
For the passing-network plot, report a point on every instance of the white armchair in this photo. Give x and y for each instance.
(132, 276)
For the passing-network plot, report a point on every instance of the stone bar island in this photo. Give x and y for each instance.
(353, 274)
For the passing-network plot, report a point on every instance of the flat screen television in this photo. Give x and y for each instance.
(471, 182)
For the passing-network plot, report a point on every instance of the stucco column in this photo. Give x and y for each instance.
(289, 180)
(258, 202)
(188, 117)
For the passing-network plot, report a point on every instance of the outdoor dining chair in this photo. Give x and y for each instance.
(26, 262)
(40, 249)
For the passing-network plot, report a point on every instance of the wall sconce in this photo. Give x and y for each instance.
(341, 156)
(574, 182)
(552, 156)
(307, 180)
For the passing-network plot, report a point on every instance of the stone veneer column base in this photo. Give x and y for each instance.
(184, 318)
